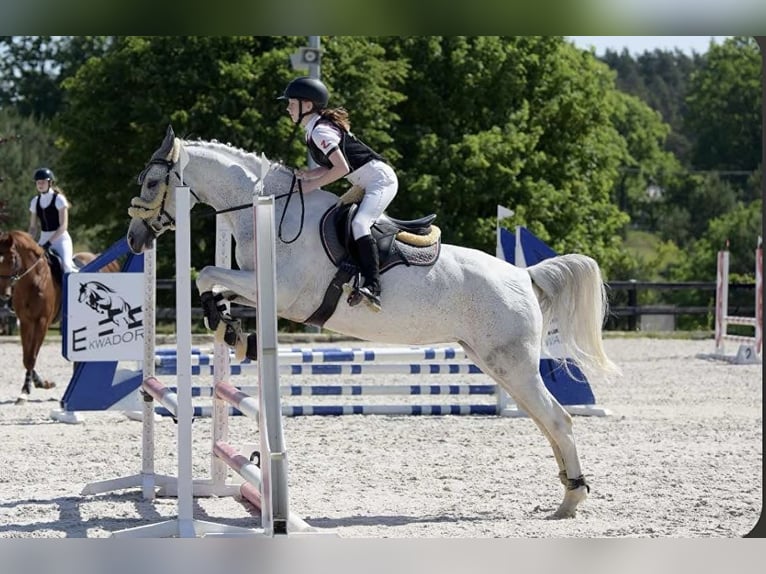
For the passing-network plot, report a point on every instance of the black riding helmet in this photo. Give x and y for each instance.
(43, 173)
(306, 88)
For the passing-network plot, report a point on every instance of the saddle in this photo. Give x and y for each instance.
(400, 242)
(56, 266)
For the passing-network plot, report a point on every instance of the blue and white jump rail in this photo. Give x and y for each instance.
(351, 362)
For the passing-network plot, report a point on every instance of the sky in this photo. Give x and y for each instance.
(640, 44)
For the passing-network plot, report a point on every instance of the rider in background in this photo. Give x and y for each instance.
(339, 154)
(49, 213)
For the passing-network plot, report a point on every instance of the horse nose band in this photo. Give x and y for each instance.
(155, 209)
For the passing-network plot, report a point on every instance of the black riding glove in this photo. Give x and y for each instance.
(46, 246)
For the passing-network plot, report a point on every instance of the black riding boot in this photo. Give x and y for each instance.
(369, 262)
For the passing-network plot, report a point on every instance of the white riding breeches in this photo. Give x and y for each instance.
(62, 246)
(380, 185)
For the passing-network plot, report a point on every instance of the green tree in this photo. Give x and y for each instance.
(660, 78)
(724, 106)
(690, 206)
(740, 229)
(25, 145)
(531, 123)
(33, 67)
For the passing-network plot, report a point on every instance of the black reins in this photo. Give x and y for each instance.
(169, 164)
(289, 195)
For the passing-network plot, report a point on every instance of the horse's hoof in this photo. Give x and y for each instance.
(573, 497)
(557, 516)
(232, 334)
(240, 349)
(21, 399)
(45, 385)
(354, 298)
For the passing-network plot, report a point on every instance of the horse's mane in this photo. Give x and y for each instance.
(251, 160)
(238, 155)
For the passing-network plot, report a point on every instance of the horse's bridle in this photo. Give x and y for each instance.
(144, 210)
(17, 274)
(156, 208)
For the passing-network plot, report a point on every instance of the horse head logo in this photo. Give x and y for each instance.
(104, 300)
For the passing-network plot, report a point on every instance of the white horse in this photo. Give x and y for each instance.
(496, 311)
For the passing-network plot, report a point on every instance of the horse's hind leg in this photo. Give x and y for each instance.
(556, 424)
(521, 379)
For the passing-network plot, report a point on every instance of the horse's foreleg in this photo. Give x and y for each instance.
(240, 288)
(26, 388)
(237, 286)
(240, 284)
(32, 342)
(41, 383)
(214, 309)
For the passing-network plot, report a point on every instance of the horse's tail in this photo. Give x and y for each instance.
(570, 289)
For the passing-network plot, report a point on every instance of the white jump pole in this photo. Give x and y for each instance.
(503, 401)
(148, 480)
(221, 361)
(275, 509)
(748, 345)
(184, 526)
(184, 344)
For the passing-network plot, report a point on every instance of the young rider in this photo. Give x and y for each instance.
(49, 213)
(339, 154)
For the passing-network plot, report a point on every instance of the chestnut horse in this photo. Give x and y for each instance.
(33, 287)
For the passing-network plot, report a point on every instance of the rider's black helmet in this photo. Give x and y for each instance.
(43, 173)
(306, 88)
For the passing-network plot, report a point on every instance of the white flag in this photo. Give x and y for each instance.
(502, 213)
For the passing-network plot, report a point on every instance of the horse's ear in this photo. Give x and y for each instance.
(263, 166)
(167, 145)
(183, 156)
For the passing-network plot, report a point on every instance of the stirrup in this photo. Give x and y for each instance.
(372, 298)
(355, 297)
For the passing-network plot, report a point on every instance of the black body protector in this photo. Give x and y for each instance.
(49, 217)
(356, 153)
